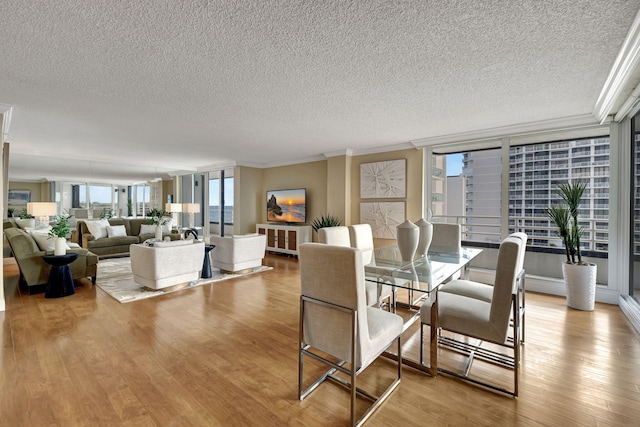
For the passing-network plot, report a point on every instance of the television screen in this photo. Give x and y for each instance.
(287, 205)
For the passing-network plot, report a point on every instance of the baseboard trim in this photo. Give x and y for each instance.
(547, 285)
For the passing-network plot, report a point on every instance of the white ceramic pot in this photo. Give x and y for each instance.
(407, 237)
(426, 234)
(158, 232)
(60, 247)
(580, 284)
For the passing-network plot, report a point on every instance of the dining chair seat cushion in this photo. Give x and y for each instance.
(458, 313)
(468, 288)
(383, 327)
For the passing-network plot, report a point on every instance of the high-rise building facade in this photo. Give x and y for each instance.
(534, 174)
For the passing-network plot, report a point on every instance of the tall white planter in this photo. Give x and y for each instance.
(158, 232)
(60, 247)
(580, 283)
(407, 236)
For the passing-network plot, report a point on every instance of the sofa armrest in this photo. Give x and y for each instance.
(86, 238)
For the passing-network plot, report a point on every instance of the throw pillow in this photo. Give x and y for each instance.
(44, 242)
(147, 229)
(98, 228)
(116, 230)
(24, 223)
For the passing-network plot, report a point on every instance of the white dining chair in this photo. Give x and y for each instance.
(487, 321)
(335, 320)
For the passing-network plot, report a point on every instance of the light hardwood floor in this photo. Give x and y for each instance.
(226, 354)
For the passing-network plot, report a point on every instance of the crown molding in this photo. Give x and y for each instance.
(216, 166)
(5, 110)
(337, 153)
(519, 129)
(385, 149)
(278, 164)
(623, 75)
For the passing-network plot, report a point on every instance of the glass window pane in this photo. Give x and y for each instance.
(547, 165)
(214, 201)
(228, 200)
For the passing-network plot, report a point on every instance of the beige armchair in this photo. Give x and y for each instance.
(335, 320)
(166, 263)
(239, 252)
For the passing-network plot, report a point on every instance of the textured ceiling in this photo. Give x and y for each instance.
(180, 85)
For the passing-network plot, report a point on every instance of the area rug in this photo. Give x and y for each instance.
(116, 279)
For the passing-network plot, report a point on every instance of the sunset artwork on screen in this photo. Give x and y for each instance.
(287, 205)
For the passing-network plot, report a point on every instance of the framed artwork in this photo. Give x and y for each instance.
(383, 217)
(383, 179)
(19, 197)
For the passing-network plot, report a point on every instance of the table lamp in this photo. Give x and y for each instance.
(174, 208)
(191, 209)
(42, 211)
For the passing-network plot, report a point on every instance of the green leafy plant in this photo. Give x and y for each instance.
(325, 221)
(565, 218)
(10, 212)
(129, 207)
(106, 214)
(25, 215)
(62, 226)
(157, 217)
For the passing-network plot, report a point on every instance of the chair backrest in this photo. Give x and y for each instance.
(338, 236)
(524, 238)
(361, 237)
(335, 275)
(446, 239)
(507, 268)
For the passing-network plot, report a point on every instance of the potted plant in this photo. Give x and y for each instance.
(25, 219)
(325, 221)
(60, 230)
(10, 212)
(579, 276)
(157, 217)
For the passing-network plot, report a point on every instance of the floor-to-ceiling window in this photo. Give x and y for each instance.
(221, 195)
(634, 270)
(467, 190)
(476, 196)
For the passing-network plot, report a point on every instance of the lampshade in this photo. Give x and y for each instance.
(173, 207)
(191, 207)
(39, 209)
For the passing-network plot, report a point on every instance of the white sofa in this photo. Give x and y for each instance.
(239, 252)
(167, 263)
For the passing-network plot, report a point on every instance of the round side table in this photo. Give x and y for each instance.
(206, 265)
(60, 282)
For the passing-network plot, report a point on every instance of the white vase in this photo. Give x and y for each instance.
(60, 247)
(426, 234)
(407, 237)
(580, 284)
(158, 232)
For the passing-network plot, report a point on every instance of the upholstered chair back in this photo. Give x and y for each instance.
(508, 266)
(446, 239)
(361, 237)
(334, 274)
(338, 236)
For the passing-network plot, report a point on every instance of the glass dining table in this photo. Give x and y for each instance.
(419, 279)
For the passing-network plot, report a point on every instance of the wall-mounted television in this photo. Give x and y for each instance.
(288, 206)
